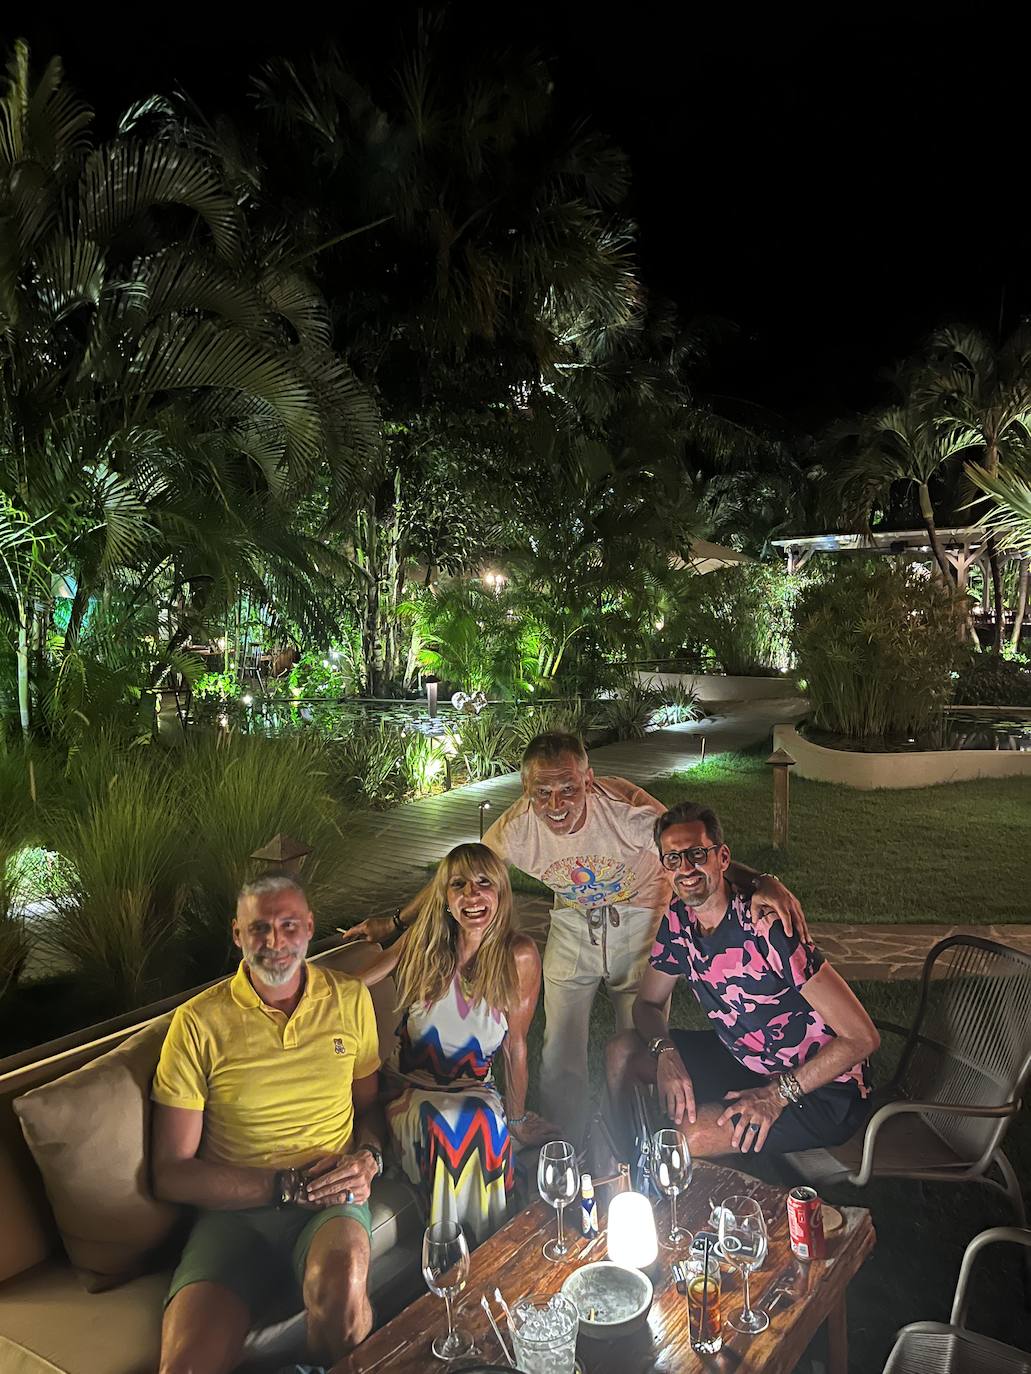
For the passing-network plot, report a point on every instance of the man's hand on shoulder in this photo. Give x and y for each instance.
(774, 902)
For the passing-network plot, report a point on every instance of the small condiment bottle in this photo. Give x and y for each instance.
(588, 1206)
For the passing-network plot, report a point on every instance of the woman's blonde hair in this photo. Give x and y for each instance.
(427, 965)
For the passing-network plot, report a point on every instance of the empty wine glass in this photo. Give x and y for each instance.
(558, 1179)
(743, 1242)
(671, 1168)
(445, 1267)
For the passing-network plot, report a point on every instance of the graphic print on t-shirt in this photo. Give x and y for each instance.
(590, 880)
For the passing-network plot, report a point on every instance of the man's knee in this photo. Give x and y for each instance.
(336, 1278)
(620, 1053)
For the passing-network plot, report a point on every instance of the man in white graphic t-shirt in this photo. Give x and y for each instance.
(591, 841)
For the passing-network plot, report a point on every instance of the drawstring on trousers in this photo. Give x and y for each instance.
(596, 920)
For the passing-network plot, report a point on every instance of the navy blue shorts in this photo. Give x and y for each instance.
(827, 1116)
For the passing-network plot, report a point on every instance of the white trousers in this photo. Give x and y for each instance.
(578, 956)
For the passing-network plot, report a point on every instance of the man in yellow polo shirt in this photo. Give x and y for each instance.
(267, 1121)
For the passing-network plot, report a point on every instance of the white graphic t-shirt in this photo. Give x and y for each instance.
(611, 859)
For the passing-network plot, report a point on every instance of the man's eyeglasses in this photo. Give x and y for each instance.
(695, 856)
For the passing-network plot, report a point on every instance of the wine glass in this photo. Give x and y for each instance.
(743, 1242)
(445, 1267)
(671, 1169)
(558, 1179)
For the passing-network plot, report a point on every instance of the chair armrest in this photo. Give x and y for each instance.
(1016, 1234)
(865, 1171)
(892, 1026)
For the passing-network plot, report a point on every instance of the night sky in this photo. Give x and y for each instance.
(833, 186)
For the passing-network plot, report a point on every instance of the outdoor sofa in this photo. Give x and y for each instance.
(85, 1250)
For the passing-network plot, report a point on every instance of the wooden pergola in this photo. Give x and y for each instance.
(964, 548)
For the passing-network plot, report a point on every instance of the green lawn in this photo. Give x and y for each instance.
(955, 853)
(922, 1229)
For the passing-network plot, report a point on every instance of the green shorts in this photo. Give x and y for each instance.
(258, 1253)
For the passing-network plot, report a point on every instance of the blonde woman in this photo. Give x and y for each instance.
(467, 987)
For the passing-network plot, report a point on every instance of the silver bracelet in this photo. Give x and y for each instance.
(789, 1088)
(517, 1120)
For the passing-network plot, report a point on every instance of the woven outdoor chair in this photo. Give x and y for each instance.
(936, 1347)
(958, 1085)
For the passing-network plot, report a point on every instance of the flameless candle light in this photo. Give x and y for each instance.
(632, 1238)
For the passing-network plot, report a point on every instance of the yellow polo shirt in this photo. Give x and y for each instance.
(275, 1090)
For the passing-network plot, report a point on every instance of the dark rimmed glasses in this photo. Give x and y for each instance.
(693, 857)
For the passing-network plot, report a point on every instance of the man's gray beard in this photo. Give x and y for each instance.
(273, 977)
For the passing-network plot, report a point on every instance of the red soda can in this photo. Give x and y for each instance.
(805, 1224)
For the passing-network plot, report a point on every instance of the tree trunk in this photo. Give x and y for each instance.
(372, 639)
(949, 573)
(927, 511)
(23, 666)
(997, 595)
(992, 549)
(1021, 607)
(80, 601)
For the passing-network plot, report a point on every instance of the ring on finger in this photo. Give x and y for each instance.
(752, 1126)
(348, 1194)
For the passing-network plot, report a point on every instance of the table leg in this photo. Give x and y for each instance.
(837, 1337)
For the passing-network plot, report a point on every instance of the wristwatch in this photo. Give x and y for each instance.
(287, 1187)
(659, 1045)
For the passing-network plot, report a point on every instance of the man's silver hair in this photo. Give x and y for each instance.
(271, 882)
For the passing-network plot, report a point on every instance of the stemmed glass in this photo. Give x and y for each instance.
(671, 1169)
(445, 1267)
(743, 1242)
(558, 1179)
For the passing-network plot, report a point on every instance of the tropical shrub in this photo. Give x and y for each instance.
(472, 638)
(676, 705)
(240, 791)
(24, 778)
(876, 643)
(486, 745)
(423, 762)
(631, 714)
(987, 680)
(742, 617)
(333, 672)
(126, 838)
(572, 717)
(366, 764)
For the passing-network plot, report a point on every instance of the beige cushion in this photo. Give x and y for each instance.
(49, 1325)
(24, 1214)
(88, 1134)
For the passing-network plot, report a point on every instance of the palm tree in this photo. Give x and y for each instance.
(160, 363)
(1009, 518)
(497, 266)
(903, 444)
(985, 389)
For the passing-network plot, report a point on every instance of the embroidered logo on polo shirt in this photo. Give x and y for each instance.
(338, 1045)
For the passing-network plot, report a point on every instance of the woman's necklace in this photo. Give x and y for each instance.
(467, 976)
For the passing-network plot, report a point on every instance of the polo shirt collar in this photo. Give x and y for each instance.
(316, 987)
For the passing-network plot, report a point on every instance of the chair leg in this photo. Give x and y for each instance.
(1016, 1197)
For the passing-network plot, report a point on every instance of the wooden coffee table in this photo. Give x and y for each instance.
(512, 1261)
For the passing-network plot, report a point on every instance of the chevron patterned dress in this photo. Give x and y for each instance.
(448, 1121)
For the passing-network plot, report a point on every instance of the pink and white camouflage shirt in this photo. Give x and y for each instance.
(748, 976)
